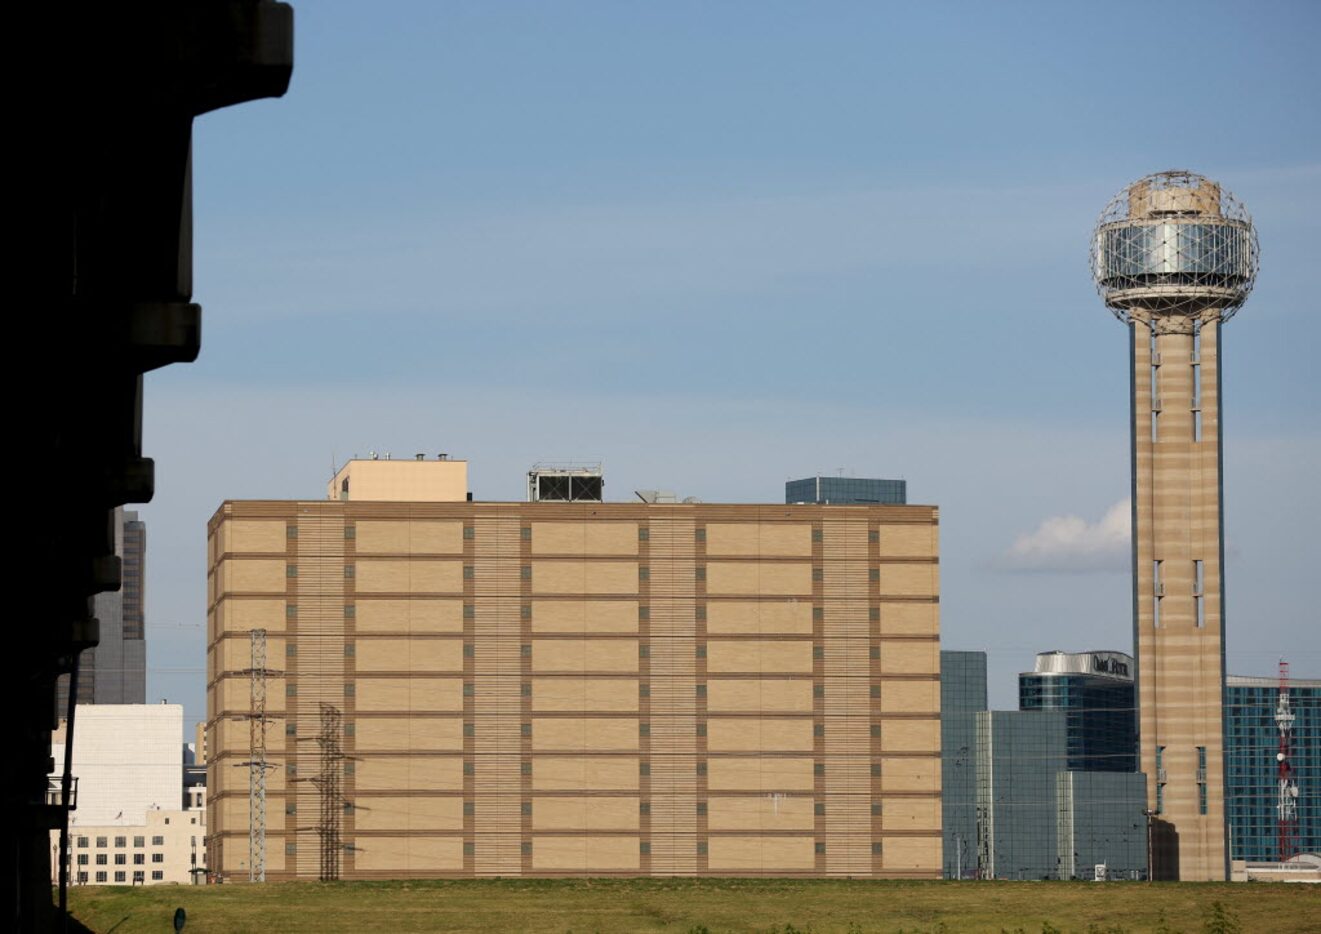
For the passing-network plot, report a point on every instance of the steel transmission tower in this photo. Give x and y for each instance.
(1287, 803)
(328, 783)
(257, 763)
(1174, 256)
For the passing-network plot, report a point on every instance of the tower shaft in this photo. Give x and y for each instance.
(1177, 551)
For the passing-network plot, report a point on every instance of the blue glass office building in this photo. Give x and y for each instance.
(1252, 783)
(962, 696)
(845, 490)
(1095, 690)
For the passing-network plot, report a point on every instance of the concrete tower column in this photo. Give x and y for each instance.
(1177, 520)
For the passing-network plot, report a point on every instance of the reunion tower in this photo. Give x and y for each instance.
(1174, 256)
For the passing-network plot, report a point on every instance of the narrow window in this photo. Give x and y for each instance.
(469, 532)
(1198, 593)
(526, 533)
(644, 573)
(1158, 590)
(644, 534)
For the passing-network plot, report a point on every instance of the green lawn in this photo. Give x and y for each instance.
(686, 906)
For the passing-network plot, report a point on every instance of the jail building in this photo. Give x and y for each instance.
(436, 687)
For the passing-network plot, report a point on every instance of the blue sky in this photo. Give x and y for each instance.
(721, 245)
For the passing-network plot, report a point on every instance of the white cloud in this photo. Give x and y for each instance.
(1071, 543)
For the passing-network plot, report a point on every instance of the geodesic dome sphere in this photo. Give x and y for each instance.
(1174, 243)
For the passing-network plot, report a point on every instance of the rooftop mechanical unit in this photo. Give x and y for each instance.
(565, 483)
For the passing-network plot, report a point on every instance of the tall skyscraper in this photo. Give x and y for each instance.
(1174, 256)
(1095, 690)
(115, 671)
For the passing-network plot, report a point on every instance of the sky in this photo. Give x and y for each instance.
(719, 246)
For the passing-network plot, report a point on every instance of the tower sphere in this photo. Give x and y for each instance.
(1174, 243)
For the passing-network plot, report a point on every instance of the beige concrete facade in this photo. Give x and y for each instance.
(1177, 515)
(163, 847)
(553, 689)
(418, 480)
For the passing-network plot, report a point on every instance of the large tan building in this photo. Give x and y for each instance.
(547, 689)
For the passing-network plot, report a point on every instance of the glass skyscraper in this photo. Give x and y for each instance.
(962, 695)
(1251, 744)
(846, 490)
(1095, 691)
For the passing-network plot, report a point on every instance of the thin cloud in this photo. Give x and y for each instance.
(1071, 543)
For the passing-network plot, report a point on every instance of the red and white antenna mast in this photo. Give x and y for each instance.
(1287, 804)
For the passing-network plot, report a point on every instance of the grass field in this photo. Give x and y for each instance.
(699, 906)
